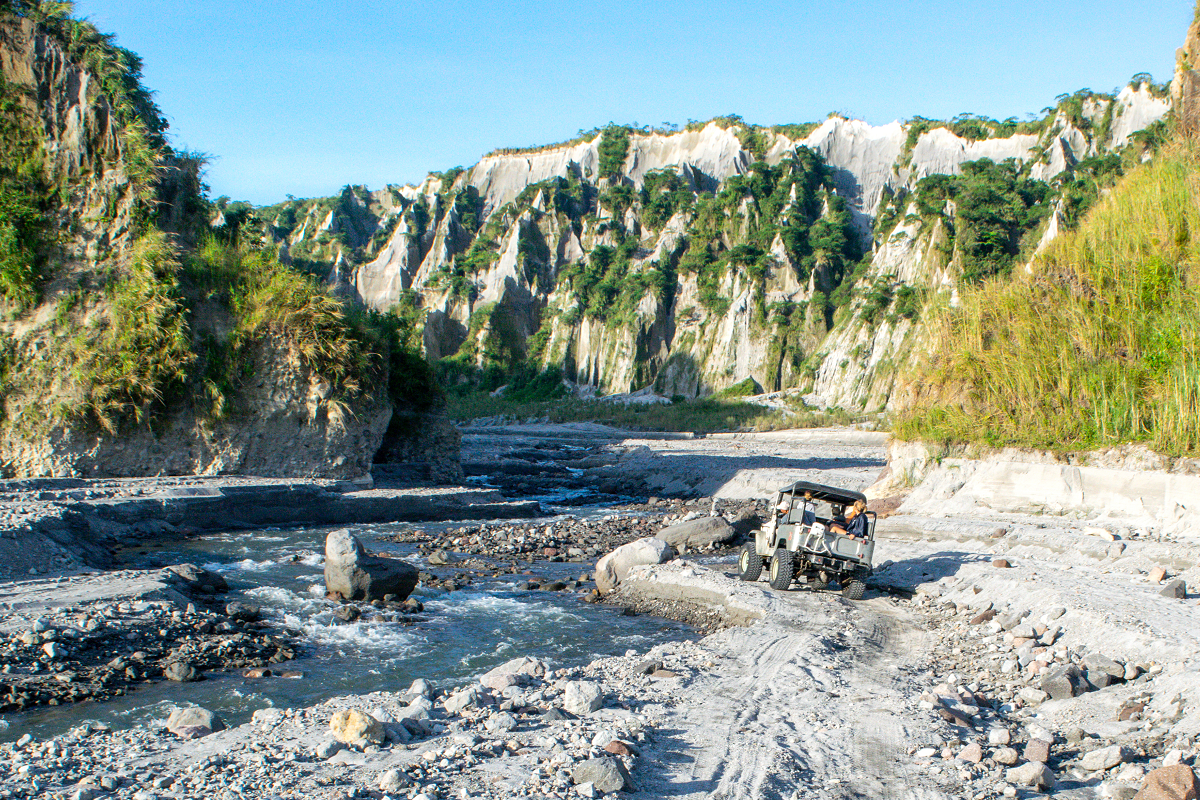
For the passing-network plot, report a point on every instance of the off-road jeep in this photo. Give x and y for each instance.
(797, 543)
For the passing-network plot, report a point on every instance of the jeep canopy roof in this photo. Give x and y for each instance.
(820, 491)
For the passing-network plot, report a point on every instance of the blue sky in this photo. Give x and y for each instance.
(302, 98)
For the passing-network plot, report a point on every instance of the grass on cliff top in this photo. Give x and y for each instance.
(1100, 345)
(708, 415)
(197, 328)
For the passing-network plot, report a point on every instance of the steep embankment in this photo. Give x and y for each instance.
(1097, 341)
(693, 260)
(138, 340)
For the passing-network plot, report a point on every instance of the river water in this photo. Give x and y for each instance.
(460, 635)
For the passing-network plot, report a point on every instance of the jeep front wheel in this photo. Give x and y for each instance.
(749, 563)
(783, 569)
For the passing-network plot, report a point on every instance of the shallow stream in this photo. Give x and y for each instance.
(461, 634)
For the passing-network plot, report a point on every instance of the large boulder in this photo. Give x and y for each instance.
(351, 574)
(582, 697)
(697, 533)
(612, 568)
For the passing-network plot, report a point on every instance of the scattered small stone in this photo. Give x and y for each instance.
(1007, 756)
(1037, 749)
(1176, 589)
(1102, 759)
(972, 753)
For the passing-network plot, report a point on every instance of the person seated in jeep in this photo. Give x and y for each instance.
(855, 523)
(808, 515)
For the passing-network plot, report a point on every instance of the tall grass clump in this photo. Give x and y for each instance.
(127, 359)
(1098, 345)
(266, 301)
(269, 301)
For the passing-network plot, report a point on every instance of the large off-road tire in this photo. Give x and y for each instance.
(750, 563)
(854, 589)
(818, 580)
(783, 569)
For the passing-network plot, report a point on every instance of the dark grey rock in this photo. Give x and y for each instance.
(1064, 682)
(1095, 662)
(1011, 620)
(606, 773)
(647, 667)
(243, 611)
(697, 533)
(192, 578)
(1176, 589)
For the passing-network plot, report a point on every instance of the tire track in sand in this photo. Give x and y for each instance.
(807, 703)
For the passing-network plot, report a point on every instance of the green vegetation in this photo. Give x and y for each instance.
(664, 194)
(198, 327)
(1099, 346)
(709, 415)
(613, 149)
(996, 206)
(118, 72)
(126, 360)
(25, 197)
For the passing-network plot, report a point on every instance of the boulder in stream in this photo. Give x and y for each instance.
(352, 574)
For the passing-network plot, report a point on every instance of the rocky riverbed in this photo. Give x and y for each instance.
(995, 655)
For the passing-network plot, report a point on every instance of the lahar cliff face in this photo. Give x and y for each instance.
(691, 261)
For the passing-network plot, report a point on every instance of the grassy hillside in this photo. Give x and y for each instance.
(1098, 345)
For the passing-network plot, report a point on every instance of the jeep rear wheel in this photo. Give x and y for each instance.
(783, 568)
(854, 590)
(750, 563)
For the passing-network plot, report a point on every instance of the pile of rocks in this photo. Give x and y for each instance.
(95, 651)
(581, 539)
